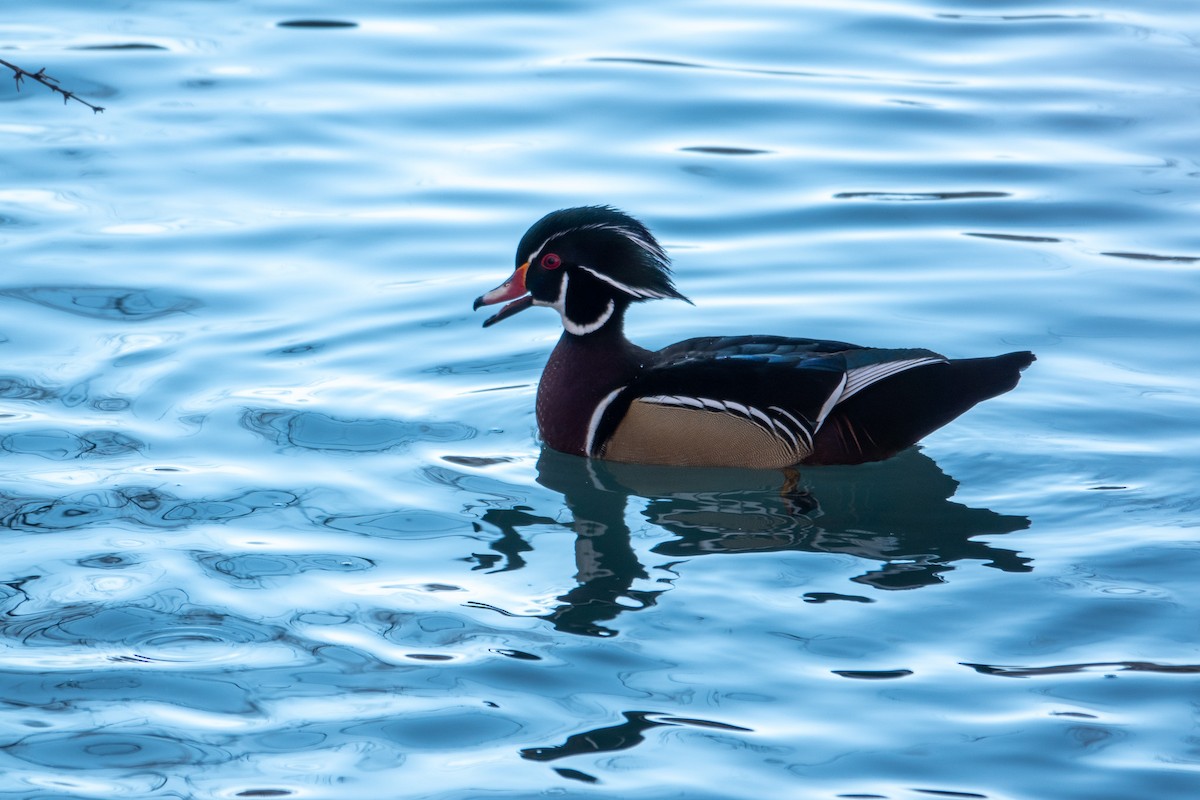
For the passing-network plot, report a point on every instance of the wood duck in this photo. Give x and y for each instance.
(735, 401)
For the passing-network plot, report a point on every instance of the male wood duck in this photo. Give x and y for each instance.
(741, 401)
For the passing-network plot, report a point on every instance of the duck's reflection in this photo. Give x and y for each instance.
(895, 514)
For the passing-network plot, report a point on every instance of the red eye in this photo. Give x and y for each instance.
(551, 261)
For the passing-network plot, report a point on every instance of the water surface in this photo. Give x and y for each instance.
(276, 522)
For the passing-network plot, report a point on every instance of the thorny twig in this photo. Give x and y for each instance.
(50, 83)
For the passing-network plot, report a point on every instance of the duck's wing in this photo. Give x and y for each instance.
(756, 401)
(904, 406)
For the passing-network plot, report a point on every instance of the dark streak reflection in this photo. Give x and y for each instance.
(1014, 237)
(895, 515)
(1099, 666)
(623, 736)
(918, 196)
(316, 23)
(1153, 257)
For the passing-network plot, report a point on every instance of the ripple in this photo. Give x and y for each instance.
(315, 431)
(316, 23)
(142, 505)
(120, 46)
(61, 445)
(920, 196)
(14, 387)
(111, 303)
(252, 568)
(109, 561)
(1097, 666)
(140, 634)
(111, 404)
(825, 597)
(576, 775)
(298, 349)
(1015, 237)
(404, 522)
(521, 362)
(39, 199)
(1015, 17)
(619, 737)
(196, 644)
(873, 674)
(717, 150)
(112, 750)
(152, 589)
(441, 731)
(647, 62)
(63, 785)
(1153, 257)
(519, 655)
(741, 70)
(479, 461)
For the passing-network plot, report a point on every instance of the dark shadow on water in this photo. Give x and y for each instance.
(896, 516)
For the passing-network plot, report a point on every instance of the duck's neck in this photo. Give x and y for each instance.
(582, 372)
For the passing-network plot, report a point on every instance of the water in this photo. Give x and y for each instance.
(275, 519)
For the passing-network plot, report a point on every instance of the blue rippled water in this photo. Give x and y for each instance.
(274, 519)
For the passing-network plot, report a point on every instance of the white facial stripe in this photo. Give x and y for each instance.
(618, 285)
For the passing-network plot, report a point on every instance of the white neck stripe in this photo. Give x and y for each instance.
(580, 330)
(594, 423)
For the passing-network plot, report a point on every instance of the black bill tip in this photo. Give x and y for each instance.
(516, 306)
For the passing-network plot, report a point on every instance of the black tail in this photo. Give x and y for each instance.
(895, 413)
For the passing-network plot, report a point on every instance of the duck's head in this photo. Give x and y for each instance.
(589, 264)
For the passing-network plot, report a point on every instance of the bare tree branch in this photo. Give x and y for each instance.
(50, 83)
